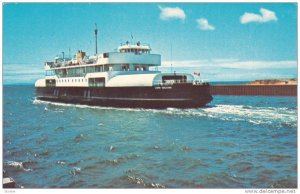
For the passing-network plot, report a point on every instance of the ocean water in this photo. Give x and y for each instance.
(234, 142)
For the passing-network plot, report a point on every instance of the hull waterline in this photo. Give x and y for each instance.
(178, 96)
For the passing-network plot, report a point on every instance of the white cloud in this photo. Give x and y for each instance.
(234, 69)
(224, 60)
(186, 63)
(22, 73)
(167, 13)
(233, 63)
(263, 64)
(204, 25)
(265, 16)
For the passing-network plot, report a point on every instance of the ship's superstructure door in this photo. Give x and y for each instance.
(50, 83)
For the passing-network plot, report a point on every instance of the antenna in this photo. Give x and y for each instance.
(96, 32)
(171, 59)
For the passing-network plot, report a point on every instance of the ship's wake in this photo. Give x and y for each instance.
(250, 114)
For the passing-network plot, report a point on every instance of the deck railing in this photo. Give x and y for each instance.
(134, 43)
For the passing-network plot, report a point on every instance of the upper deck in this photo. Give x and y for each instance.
(131, 47)
(129, 54)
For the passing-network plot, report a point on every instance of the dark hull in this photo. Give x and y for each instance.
(177, 96)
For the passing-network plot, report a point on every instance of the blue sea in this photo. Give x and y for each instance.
(234, 142)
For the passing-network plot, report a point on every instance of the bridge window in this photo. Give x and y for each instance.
(50, 72)
(105, 55)
(174, 79)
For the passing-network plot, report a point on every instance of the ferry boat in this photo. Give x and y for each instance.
(128, 77)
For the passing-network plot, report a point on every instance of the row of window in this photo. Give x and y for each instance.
(71, 80)
(81, 71)
(134, 51)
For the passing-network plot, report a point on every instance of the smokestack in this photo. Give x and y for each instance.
(96, 32)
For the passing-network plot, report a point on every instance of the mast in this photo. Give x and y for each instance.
(171, 58)
(96, 32)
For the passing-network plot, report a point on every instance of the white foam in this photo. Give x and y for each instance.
(250, 114)
(18, 165)
(36, 101)
(111, 148)
(61, 162)
(254, 115)
(14, 164)
(77, 169)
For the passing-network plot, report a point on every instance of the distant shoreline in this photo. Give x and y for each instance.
(274, 82)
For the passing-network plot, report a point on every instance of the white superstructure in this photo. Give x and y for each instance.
(128, 67)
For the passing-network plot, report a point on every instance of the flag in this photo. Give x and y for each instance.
(197, 73)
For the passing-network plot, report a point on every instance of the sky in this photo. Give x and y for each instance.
(222, 41)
